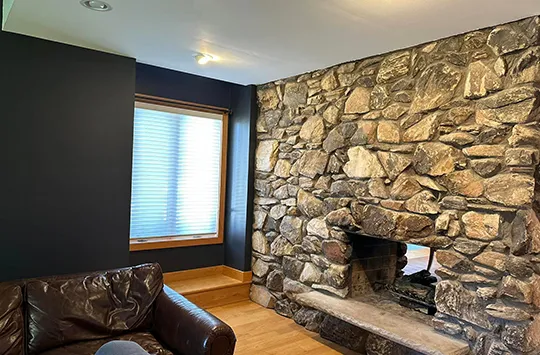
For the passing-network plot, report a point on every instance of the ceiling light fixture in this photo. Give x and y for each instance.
(96, 5)
(203, 59)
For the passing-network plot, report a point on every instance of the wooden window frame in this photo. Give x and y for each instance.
(139, 244)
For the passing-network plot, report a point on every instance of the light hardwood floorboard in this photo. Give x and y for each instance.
(262, 331)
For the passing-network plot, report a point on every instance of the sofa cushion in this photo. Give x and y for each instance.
(145, 340)
(64, 310)
(11, 320)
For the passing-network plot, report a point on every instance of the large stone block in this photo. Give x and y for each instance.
(510, 189)
(295, 94)
(262, 296)
(435, 87)
(437, 159)
(313, 130)
(394, 66)
(358, 101)
(481, 79)
(259, 242)
(363, 163)
(311, 319)
(309, 205)
(394, 163)
(291, 228)
(313, 162)
(343, 333)
(455, 300)
(423, 130)
(481, 226)
(336, 251)
(266, 155)
(505, 39)
(390, 224)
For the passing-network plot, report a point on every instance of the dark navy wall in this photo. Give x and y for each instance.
(65, 152)
(240, 172)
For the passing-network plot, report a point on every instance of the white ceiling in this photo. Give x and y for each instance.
(257, 40)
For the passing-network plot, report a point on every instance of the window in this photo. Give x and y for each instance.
(178, 177)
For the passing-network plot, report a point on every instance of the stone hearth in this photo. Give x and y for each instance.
(388, 320)
(435, 145)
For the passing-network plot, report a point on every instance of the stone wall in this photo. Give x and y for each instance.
(435, 145)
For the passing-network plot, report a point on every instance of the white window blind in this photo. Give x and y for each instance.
(176, 172)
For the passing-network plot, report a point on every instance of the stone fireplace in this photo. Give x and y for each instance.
(435, 145)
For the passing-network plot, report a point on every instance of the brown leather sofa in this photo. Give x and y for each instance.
(75, 315)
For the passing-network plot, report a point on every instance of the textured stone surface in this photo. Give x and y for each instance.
(423, 130)
(499, 310)
(436, 159)
(481, 226)
(510, 189)
(259, 243)
(394, 163)
(336, 251)
(311, 319)
(274, 281)
(358, 101)
(492, 259)
(343, 333)
(266, 155)
(282, 168)
(291, 228)
(504, 40)
(436, 145)
(423, 202)
(464, 182)
(453, 299)
(262, 296)
(318, 227)
(468, 247)
(481, 79)
(388, 132)
(435, 87)
(310, 274)
(453, 260)
(486, 167)
(312, 163)
(292, 267)
(394, 66)
(308, 204)
(381, 222)
(405, 187)
(281, 246)
(313, 130)
(295, 94)
(363, 164)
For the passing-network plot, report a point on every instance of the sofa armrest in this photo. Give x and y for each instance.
(188, 329)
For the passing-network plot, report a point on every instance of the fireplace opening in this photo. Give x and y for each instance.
(415, 285)
(394, 271)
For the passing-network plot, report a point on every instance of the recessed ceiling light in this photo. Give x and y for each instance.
(202, 59)
(96, 5)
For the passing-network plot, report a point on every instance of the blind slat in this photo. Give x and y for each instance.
(176, 174)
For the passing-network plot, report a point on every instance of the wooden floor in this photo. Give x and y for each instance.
(262, 331)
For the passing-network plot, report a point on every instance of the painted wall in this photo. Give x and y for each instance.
(65, 151)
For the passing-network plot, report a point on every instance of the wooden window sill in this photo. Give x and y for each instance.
(140, 244)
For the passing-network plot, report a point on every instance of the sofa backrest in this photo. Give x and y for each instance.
(11, 319)
(64, 310)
